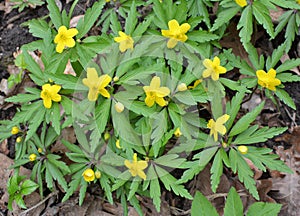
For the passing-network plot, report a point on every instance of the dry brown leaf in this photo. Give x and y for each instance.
(4, 148)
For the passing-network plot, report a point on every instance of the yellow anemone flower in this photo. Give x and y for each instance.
(32, 157)
(126, 42)
(88, 175)
(176, 33)
(49, 93)
(14, 130)
(268, 80)
(97, 174)
(217, 126)
(64, 38)
(136, 167)
(155, 93)
(241, 3)
(213, 68)
(96, 84)
(243, 149)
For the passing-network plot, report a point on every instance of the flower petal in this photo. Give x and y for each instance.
(141, 174)
(128, 164)
(206, 73)
(172, 43)
(162, 91)
(155, 83)
(62, 29)
(47, 102)
(56, 97)
(118, 39)
(185, 27)
(216, 61)
(221, 70)
(160, 101)
(214, 76)
(208, 63)
(93, 94)
(224, 118)
(71, 32)
(173, 25)
(70, 42)
(272, 73)
(261, 74)
(149, 101)
(104, 80)
(166, 33)
(104, 93)
(55, 88)
(60, 47)
(221, 129)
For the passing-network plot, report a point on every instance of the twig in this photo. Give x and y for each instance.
(40, 203)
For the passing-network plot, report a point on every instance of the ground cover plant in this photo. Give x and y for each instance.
(154, 99)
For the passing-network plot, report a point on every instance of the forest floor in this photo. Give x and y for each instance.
(272, 186)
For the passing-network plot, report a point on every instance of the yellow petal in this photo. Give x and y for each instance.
(208, 63)
(155, 83)
(210, 124)
(172, 43)
(55, 88)
(185, 27)
(142, 165)
(70, 42)
(272, 73)
(147, 89)
(166, 33)
(104, 80)
(122, 34)
(160, 101)
(224, 118)
(261, 74)
(221, 129)
(206, 73)
(60, 47)
(173, 25)
(62, 29)
(104, 93)
(162, 91)
(141, 174)
(118, 39)
(214, 76)
(216, 61)
(221, 70)
(93, 94)
(215, 136)
(71, 32)
(149, 101)
(56, 97)
(47, 102)
(128, 164)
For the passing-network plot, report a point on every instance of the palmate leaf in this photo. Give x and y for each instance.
(244, 172)
(263, 157)
(252, 135)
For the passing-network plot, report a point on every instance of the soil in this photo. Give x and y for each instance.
(12, 36)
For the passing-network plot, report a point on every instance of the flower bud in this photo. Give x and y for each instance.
(106, 136)
(243, 149)
(14, 130)
(182, 87)
(177, 132)
(19, 139)
(116, 79)
(119, 107)
(98, 174)
(118, 144)
(88, 175)
(32, 157)
(40, 150)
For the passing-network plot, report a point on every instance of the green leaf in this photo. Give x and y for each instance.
(245, 26)
(201, 206)
(170, 160)
(102, 114)
(233, 107)
(288, 77)
(243, 123)
(90, 17)
(54, 13)
(216, 171)
(59, 164)
(285, 97)
(264, 209)
(105, 184)
(38, 28)
(275, 57)
(133, 188)
(252, 135)
(155, 192)
(19, 200)
(82, 191)
(131, 19)
(262, 15)
(57, 175)
(22, 98)
(56, 117)
(233, 205)
(224, 16)
(201, 36)
(28, 187)
(35, 121)
(288, 65)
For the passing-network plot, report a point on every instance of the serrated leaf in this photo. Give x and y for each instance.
(264, 209)
(245, 26)
(170, 160)
(252, 135)
(275, 57)
(201, 206)
(224, 16)
(133, 188)
(262, 15)
(216, 171)
(102, 112)
(233, 107)
(243, 123)
(82, 191)
(22, 98)
(285, 97)
(90, 17)
(131, 19)
(54, 13)
(201, 36)
(233, 205)
(288, 65)
(28, 187)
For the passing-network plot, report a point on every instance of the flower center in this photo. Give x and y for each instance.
(46, 93)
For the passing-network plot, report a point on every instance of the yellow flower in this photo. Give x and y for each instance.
(196, 83)
(19, 139)
(177, 132)
(182, 87)
(97, 174)
(64, 38)
(118, 144)
(96, 84)
(49, 93)
(155, 93)
(213, 68)
(126, 42)
(88, 175)
(32, 157)
(217, 126)
(136, 167)
(14, 130)
(241, 3)
(176, 33)
(119, 107)
(243, 149)
(268, 80)
(40, 150)
(298, 1)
